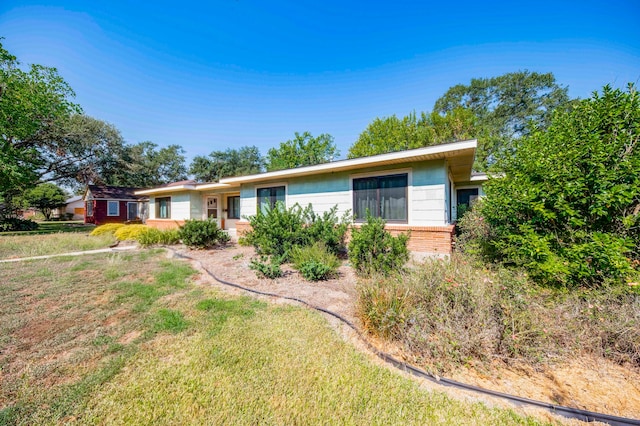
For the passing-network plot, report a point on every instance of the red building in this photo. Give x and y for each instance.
(113, 204)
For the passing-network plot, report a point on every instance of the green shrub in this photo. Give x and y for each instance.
(202, 234)
(153, 236)
(108, 228)
(276, 231)
(566, 203)
(11, 224)
(129, 232)
(315, 262)
(374, 250)
(266, 268)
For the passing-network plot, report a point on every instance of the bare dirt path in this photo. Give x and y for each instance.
(590, 384)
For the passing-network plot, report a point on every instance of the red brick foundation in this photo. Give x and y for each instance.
(423, 239)
(164, 223)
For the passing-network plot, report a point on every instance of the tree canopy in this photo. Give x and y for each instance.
(568, 206)
(35, 105)
(232, 162)
(392, 134)
(506, 107)
(302, 150)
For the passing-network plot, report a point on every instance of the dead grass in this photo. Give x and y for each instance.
(12, 247)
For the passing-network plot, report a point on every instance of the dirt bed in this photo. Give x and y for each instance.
(591, 384)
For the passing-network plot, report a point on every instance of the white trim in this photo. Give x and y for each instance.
(434, 152)
(117, 208)
(380, 173)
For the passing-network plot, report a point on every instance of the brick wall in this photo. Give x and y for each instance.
(423, 239)
(164, 223)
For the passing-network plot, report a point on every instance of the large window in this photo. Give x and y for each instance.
(113, 208)
(269, 196)
(382, 196)
(163, 208)
(233, 206)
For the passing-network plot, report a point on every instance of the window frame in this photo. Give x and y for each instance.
(109, 204)
(157, 203)
(230, 207)
(271, 186)
(88, 205)
(379, 175)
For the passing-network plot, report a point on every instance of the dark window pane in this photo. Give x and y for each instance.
(381, 196)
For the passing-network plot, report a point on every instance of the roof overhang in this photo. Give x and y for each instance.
(187, 187)
(460, 156)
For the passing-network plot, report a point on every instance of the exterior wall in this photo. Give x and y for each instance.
(165, 223)
(100, 216)
(423, 239)
(428, 201)
(76, 208)
(426, 192)
(184, 205)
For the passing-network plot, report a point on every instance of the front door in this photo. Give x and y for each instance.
(212, 208)
(132, 211)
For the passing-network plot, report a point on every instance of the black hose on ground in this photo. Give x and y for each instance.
(573, 413)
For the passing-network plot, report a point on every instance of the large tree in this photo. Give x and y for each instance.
(302, 150)
(232, 162)
(35, 105)
(390, 134)
(567, 206)
(144, 165)
(506, 106)
(97, 151)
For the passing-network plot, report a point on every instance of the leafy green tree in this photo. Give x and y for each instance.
(45, 198)
(392, 134)
(96, 151)
(232, 162)
(144, 165)
(568, 206)
(35, 104)
(505, 107)
(302, 150)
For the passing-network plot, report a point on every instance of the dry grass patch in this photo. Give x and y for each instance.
(12, 247)
(67, 326)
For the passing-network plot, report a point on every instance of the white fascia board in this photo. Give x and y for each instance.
(437, 151)
(163, 189)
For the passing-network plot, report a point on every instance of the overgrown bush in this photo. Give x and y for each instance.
(372, 250)
(276, 231)
(448, 313)
(202, 234)
(315, 262)
(266, 267)
(566, 206)
(107, 228)
(129, 232)
(11, 224)
(153, 236)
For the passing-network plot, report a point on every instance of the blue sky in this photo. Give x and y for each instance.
(224, 74)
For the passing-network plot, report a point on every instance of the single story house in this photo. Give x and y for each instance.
(419, 190)
(113, 204)
(74, 208)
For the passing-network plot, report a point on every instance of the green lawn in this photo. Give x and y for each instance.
(127, 339)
